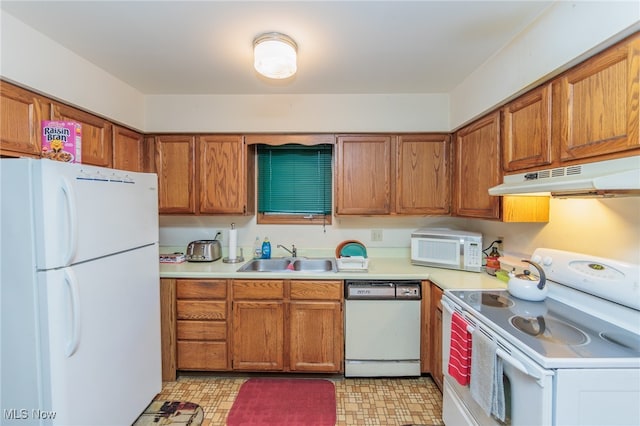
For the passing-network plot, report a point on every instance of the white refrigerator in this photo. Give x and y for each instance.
(80, 304)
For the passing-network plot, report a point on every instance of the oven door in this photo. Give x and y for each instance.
(528, 387)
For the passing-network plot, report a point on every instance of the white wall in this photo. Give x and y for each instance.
(601, 227)
(179, 230)
(34, 61)
(299, 113)
(565, 31)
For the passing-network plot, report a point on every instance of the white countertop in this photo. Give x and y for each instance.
(387, 267)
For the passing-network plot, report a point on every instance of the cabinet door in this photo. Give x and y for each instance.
(436, 335)
(477, 149)
(222, 175)
(596, 103)
(20, 115)
(96, 134)
(526, 130)
(258, 335)
(423, 177)
(128, 150)
(316, 340)
(363, 175)
(175, 156)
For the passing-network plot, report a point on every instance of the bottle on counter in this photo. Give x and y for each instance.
(257, 248)
(266, 249)
(493, 262)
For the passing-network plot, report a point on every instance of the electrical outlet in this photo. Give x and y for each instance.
(376, 235)
(500, 245)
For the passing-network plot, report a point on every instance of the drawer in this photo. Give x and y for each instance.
(201, 309)
(312, 289)
(201, 330)
(201, 289)
(202, 355)
(258, 289)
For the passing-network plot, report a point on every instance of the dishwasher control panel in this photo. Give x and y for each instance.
(382, 290)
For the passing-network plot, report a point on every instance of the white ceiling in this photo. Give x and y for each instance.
(205, 47)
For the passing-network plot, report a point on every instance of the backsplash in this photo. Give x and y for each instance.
(602, 227)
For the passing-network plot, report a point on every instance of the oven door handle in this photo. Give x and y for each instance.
(515, 363)
(446, 305)
(537, 373)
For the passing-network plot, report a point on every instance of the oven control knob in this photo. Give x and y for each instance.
(547, 261)
(536, 258)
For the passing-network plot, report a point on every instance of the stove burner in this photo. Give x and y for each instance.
(551, 330)
(627, 340)
(490, 299)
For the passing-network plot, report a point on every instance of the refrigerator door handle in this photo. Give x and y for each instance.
(72, 284)
(69, 196)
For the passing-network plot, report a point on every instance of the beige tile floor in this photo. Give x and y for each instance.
(360, 401)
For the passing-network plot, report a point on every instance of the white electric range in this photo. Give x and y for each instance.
(572, 359)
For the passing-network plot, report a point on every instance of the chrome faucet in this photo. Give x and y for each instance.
(293, 252)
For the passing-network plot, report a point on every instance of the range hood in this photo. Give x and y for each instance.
(610, 178)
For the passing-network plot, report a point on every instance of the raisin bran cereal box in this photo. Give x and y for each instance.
(62, 141)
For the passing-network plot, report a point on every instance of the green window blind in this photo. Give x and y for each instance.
(294, 179)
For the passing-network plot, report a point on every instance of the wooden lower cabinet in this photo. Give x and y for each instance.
(252, 325)
(201, 330)
(316, 326)
(168, 328)
(436, 335)
(258, 325)
(287, 326)
(258, 335)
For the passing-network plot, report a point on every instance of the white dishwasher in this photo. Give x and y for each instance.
(382, 328)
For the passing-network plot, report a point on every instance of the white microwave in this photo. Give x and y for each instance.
(447, 248)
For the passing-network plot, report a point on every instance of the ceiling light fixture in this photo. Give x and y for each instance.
(275, 55)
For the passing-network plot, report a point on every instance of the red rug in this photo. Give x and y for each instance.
(271, 401)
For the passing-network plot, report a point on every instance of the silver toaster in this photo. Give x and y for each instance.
(203, 251)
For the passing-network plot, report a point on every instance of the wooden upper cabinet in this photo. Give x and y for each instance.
(175, 166)
(423, 174)
(477, 156)
(21, 112)
(128, 150)
(223, 188)
(596, 103)
(96, 134)
(526, 130)
(363, 174)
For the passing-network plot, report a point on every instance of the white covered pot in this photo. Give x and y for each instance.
(528, 287)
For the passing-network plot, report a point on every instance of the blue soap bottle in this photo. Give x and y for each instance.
(266, 249)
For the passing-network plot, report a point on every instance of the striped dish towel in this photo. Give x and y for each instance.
(460, 350)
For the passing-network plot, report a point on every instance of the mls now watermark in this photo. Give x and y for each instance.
(24, 414)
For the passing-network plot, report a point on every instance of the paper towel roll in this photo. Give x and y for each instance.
(233, 244)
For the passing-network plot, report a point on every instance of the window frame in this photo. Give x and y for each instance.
(300, 139)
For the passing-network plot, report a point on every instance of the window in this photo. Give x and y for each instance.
(294, 184)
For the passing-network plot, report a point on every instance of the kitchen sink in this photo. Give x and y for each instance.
(287, 264)
(314, 265)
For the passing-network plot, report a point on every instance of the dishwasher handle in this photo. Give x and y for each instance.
(368, 290)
